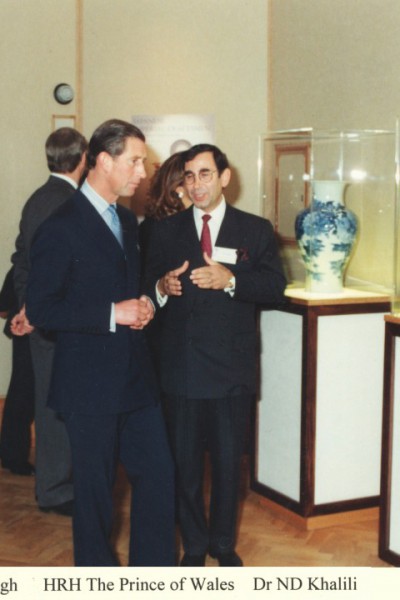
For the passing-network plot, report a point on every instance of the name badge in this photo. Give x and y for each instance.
(225, 255)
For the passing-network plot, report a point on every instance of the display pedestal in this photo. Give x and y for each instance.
(317, 442)
(389, 528)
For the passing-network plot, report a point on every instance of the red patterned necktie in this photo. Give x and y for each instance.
(205, 239)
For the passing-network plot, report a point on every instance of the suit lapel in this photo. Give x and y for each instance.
(127, 231)
(107, 246)
(131, 251)
(188, 240)
(229, 235)
(97, 228)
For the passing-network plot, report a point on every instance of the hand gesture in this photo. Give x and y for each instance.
(170, 284)
(214, 276)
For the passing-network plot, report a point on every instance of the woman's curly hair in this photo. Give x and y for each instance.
(163, 199)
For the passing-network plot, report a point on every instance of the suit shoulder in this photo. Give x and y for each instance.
(48, 197)
(61, 214)
(54, 185)
(175, 220)
(250, 219)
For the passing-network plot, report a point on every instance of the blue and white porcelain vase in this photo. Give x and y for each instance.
(326, 232)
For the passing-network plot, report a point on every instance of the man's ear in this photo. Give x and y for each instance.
(105, 161)
(225, 177)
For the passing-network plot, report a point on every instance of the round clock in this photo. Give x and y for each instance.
(63, 93)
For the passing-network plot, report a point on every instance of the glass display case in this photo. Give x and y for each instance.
(331, 196)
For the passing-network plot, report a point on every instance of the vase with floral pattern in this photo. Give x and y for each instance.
(326, 232)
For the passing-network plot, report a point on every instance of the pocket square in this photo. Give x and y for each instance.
(242, 254)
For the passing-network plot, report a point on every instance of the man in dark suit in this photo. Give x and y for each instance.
(66, 160)
(84, 285)
(209, 277)
(18, 412)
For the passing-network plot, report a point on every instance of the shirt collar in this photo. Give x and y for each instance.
(217, 215)
(94, 198)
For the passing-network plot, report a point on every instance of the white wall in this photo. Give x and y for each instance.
(37, 51)
(160, 57)
(334, 64)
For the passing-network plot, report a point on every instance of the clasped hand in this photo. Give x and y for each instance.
(135, 313)
(213, 276)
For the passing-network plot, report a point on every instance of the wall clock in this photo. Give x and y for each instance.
(63, 93)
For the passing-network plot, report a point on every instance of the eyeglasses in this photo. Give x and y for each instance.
(204, 175)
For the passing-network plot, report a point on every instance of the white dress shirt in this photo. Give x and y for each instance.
(214, 224)
(217, 216)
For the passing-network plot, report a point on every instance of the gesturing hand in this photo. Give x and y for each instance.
(170, 284)
(214, 276)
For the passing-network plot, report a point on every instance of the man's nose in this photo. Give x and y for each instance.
(197, 181)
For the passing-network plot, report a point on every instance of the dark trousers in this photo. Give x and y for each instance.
(18, 410)
(53, 479)
(220, 426)
(138, 440)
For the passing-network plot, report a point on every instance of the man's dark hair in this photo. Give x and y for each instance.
(64, 150)
(110, 137)
(220, 158)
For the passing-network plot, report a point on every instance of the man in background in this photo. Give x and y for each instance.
(18, 412)
(208, 267)
(84, 285)
(66, 160)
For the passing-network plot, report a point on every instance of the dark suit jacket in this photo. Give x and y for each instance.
(77, 270)
(44, 201)
(209, 339)
(8, 300)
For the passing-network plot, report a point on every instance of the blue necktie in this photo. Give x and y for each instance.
(114, 222)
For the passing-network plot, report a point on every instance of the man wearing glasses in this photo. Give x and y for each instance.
(208, 267)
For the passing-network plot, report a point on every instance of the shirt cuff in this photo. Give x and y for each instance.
(230, 288)
(162, 300)
(113, 325)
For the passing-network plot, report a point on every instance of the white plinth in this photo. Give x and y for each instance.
(318, 427)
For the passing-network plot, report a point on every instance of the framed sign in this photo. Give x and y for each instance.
(63, 121)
